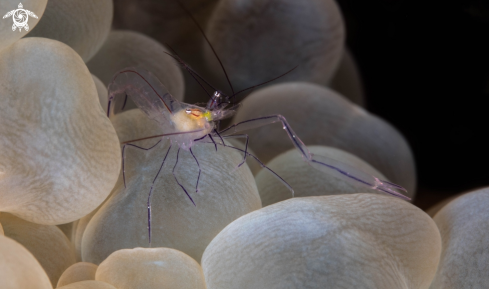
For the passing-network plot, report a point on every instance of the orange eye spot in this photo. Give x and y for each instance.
(194, 113)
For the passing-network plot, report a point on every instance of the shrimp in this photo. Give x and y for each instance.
(186, 124)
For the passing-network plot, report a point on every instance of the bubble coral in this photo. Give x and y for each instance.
(59, 153)
(341, 241)
(259, 40)
(89, 284)
(127, 48)
(148, 268)
(321, 116)
(79, 227)
(149, 16)
(464, 231)
(225, 194)
(48, 244)
(304, 179)
(102, 92)
(18, 268)
(81, 24)
(77, 272)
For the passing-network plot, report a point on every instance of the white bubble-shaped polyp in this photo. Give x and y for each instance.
(151, 268)
(225, 194)
(320, 116)
(464, 228)
(59, 153)
(77, 272)
(47, 243)
(125, 49)
(258, 40)
(89, 284)
(101, 92)
(342, 241)
(18, 268)
(305, 180)
(77, 234)
(81, 24)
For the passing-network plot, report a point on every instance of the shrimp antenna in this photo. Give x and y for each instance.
(251, 87)
(208, 42)
(192, 72)
(189, 70)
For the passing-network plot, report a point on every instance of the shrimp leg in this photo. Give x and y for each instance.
(183, 188)
(327, 165)
(246, 145)
(151, 193)
(212, 139)
(198, 178)
(233, 136)
(128, 143)
(124, 156)
(260, 162)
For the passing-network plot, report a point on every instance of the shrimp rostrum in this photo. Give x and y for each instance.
(185, 125)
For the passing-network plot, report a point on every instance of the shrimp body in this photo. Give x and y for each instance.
(193, 122)
(186, 124)
(181, 123)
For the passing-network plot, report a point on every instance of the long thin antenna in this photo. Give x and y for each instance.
(202, 86)
(251, 87)
(190, 70)
(185, 65)
(207, 40)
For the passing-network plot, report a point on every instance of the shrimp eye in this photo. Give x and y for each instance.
(194, 113)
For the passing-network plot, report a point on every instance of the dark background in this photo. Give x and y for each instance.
(425, 68)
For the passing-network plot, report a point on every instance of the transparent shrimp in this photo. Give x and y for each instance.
(333, 167)
(181, 122)
(185, 124)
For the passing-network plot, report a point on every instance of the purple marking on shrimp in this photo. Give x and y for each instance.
(373, 186)
(151, 193)
(124, 157)
(108, 107)
(212, 139)
(183, 188)
(124, 104)
(297, 143)
(198, 178)
(343, 173)
(260, 162)
(219, 135)
(154, 90)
